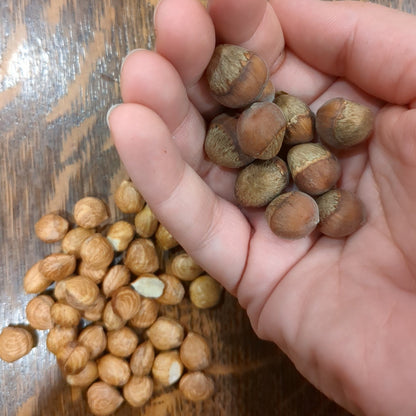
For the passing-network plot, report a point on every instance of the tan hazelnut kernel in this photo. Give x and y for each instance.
(166, 333)
(94, 273)
(97, 251)
(85, 377)
(343, 123)
(65, 315)
(38, 312)
(341, 213)
(122, 342)
(173, 292)
(221, 144)
(138, 390)
(183, 266)
(116, 277)
(147, 314)
(95, 312)
(57, 266)
(205, 292)
(142, 359)
(196, 386)
(126, 302)
(300, 126)
(164, 239)
(81, 292)
(59, 336)
(149, 285)
(72, 357)
(261, 129)
(146, 222)
(194, 352)
(167, 368)
(236, 76)
(90, 212)
(15, 343)
(268, 92)
(141, 256)
(51, 228)
(261, 181)
(120, 234)
(113, 370)
(128, 198)
(34, 281)
(292, 215)
(94, 338)
(103, 399)
(72, 242)
(314, 168)
(59, 290)
(111, 320)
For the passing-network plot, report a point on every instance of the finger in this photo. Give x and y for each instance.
(211, 229)
(366, 43)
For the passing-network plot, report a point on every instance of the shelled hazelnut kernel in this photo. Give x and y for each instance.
(94, 338)
(111, 320)
(183, 266)
(38, 312)
(34, 281)
(85, 377)
(58, 337)
(166, 333)
(97, 251)
(90, 212)
(81, 292)
(173, 292)
(164, 239)
(120, 234)
(125, 302)
(147, 314)
(145, 222)
(72, 242)
(65, 315)
(142, 359)
(205, 292)
(15, 343)
(57, 266)
(72, 357)
(116, 277)
(167, 368)
(113, 370)
(103, 399)
(95, 311)
(196, 386)
(141, 256)
(122, 342)
(149, 285)
(194, 352)
(127, 198)
(96, 274)
(51, 228)
(138, 390)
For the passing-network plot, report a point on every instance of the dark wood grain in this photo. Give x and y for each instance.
(59, 65)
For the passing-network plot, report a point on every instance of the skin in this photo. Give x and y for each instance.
(342, 310)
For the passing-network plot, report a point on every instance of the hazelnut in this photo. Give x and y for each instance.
(173, 292)
(122, 342)
(147, 314)
(142, 359)
(116, 277)
(300, 119)
(34, 281)
(342, 123)
(85, 377)
(111, 320)
(128, 198)
(90, 212)
(94, 338)
(164, 239)
(221, 144)
(96, 274)
(341, 213)
(120, 234)
(103, 399)
(196, 386)
(15, 343)
(141, 256)
(38, 312)
(268, 92)
(292, 215)
(138, 390)
(125, 302)
(58, 337)
(72, 242)
(236, 76)
(183, 266)
(146, 222)
(81, 292)
(261, 181)
(205, 292)
(314, 168)
(194, 352)
(167, 368)
(51, 228)
(72, 357)
(166, 333)
(113, 370)
(95, 311)
(260, 130)
(57, 266)
(65, 315)
(149, 285)
(97, 251)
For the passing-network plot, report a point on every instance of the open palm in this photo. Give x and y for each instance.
(343, 310)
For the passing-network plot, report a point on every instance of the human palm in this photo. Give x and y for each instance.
(341, 309)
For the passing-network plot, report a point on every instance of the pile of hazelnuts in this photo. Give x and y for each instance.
(284, 153)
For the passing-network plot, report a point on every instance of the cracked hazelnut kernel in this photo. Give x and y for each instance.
(120, 234)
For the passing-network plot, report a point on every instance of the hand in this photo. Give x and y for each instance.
(343, 310)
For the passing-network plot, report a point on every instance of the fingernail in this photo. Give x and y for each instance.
(131, 52)
(109, 112)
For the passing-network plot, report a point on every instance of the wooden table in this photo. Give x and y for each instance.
(58, 76)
